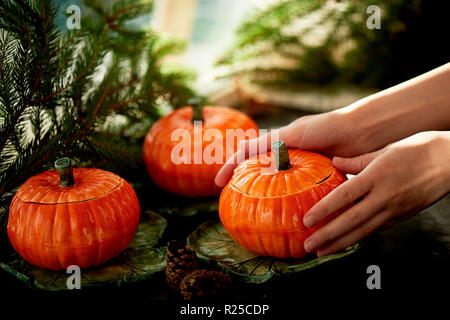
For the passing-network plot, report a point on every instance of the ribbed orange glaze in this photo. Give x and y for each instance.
(53, 227)
(263, 209)
(190, 179)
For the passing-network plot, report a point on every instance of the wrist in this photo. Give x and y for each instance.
(363, 126)
(442, 155)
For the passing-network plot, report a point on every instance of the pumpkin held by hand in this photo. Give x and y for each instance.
(177, 147)
(263, 205)
(78, 217)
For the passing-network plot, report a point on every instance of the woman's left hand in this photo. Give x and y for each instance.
(396, 182)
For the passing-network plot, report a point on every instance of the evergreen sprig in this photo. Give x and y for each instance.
(345, 51)
(90, 94)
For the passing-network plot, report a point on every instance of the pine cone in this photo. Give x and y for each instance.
(180, 260)
(200, 283)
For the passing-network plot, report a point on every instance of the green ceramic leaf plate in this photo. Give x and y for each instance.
(212, 243)
(138, 262)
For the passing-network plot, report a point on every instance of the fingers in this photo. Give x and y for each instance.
(344, 223)
(355, 235)
(247, 149)
(356, 164)
(226, 170)
(344, 194)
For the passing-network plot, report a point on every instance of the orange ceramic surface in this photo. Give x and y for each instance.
(52, 226)
(189, 178)
(263, 208)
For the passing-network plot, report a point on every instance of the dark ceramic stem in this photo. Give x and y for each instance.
(197, 109)
(65, 171)
(281, 155)
(198, 113)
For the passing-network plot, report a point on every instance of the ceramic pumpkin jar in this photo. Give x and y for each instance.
(73, 216)
(179, 134)
(263, 205)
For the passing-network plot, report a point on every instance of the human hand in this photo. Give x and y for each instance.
(397, 182)
(330, 133)
(421, 104)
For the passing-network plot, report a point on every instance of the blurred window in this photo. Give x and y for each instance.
(207, 25)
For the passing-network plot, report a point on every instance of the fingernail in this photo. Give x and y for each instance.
(336, 159)
(309, 245)
(308, 221)
(320, 254)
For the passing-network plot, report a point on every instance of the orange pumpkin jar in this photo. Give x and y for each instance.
(178, 134)
(263, 205)
(71, 216)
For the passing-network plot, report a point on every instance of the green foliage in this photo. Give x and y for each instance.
(333, 46)
(90, 94)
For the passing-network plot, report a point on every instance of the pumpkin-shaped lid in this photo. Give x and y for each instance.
(281, 172)
(67, 185)
(210, 117)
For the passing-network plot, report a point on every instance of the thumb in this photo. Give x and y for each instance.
(247, 149)
(356, 164)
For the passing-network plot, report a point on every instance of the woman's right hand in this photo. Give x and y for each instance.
(416, 105)
(330, 133)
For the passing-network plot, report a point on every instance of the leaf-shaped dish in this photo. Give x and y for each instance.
(212, 243)
(138, 262)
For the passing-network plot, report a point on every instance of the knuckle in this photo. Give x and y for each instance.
(361, 161)
(328, 236)
(400, 198)
(323, 237)
(346, 193)
(357, 216)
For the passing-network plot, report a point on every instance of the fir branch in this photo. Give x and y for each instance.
(53, 99)
(349, 54)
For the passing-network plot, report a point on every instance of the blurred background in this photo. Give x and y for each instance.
(206, 27)
(309, 54)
